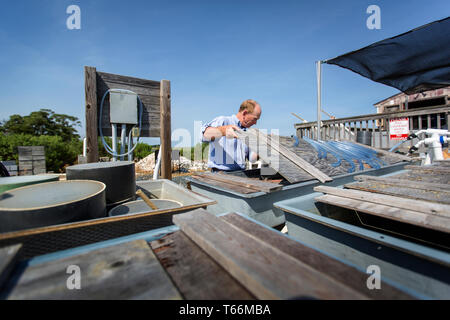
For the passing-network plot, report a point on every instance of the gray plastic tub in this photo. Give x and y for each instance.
(259, 205)
(416, 266)
(140, 206)
(51, 203)
(118, 176)
(8, 183)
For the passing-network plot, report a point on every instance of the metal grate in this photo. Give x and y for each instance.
(52, 241)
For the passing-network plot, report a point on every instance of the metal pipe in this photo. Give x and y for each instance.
(123, 137)
(319, 97)
(130, 146)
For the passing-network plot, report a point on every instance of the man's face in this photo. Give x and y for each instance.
(250, 119)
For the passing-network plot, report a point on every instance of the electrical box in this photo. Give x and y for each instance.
(123, 107)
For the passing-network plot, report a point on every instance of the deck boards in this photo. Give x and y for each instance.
(428, 221)
(419, 196)
(393, 201)
(232, 181)
(210, 257)
(317, 260)
(402, 182)
(256, 264)
(405, 191)
(224, 185)
(420, 177)
(125, 271)
(195, 274)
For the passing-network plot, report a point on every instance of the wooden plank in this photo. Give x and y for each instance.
(90, 83)
(228, 182)
(424, 220)
(433, 169)
(336, 269)
(258, 185)
(196, 275)
(401, 191)
(166, 133)
(286, 168)
(429, 177)
(402, 203)
(402, 182)
(319, 175)
(444, 163)
(265, 271)
(8, 259)
(125, 271)
(126, 80)
(224, 185)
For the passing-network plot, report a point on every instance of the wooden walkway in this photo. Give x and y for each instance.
(209, 257)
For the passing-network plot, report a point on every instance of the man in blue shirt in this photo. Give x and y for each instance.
(226, 151)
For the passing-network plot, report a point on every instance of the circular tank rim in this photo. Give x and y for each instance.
(32, 178)
(103, 187)
(99, 165)
(14, 182)
(134, 201)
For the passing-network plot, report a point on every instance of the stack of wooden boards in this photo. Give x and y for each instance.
(209, 257)
(419, 196)
(237, 184)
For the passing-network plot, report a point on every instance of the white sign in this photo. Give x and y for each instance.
(398, 128)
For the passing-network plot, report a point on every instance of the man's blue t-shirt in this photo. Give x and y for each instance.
(226, 154)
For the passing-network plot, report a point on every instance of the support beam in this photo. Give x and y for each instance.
(90, 78)
(166, 133)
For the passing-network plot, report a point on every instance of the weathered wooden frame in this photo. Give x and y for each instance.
(156, 121)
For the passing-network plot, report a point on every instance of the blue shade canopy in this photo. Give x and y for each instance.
(412, 62)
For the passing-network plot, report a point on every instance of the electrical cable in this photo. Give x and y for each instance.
(107, 147)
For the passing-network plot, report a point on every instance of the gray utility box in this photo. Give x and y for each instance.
(123, 107)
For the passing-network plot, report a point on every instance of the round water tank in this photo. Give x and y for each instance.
(118, 176)
(51, 203)
(8, 183)
(139, 206)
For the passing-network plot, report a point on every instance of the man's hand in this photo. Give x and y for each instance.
(213, 133)
(229, 131)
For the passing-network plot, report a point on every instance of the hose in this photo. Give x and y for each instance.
(107, 147)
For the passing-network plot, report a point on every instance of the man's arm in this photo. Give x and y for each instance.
(213, 133)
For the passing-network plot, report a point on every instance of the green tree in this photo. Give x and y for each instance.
(56, 132)
(58, 153)
(42, 122)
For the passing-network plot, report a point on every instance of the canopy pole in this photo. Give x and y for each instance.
(319, 97)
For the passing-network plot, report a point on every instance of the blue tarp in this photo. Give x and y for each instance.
(412, 62)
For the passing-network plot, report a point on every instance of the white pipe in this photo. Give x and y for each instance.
(84, 147)
(158, 164)
(114, 141)
(319, 97)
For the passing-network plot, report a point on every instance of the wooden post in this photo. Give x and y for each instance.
(166, 133)
(90, 84)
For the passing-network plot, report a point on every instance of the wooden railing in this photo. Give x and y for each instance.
(376, 125)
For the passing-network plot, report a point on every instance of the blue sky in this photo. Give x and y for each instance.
(215, 53)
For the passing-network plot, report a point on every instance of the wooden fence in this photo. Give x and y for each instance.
(377, 124)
